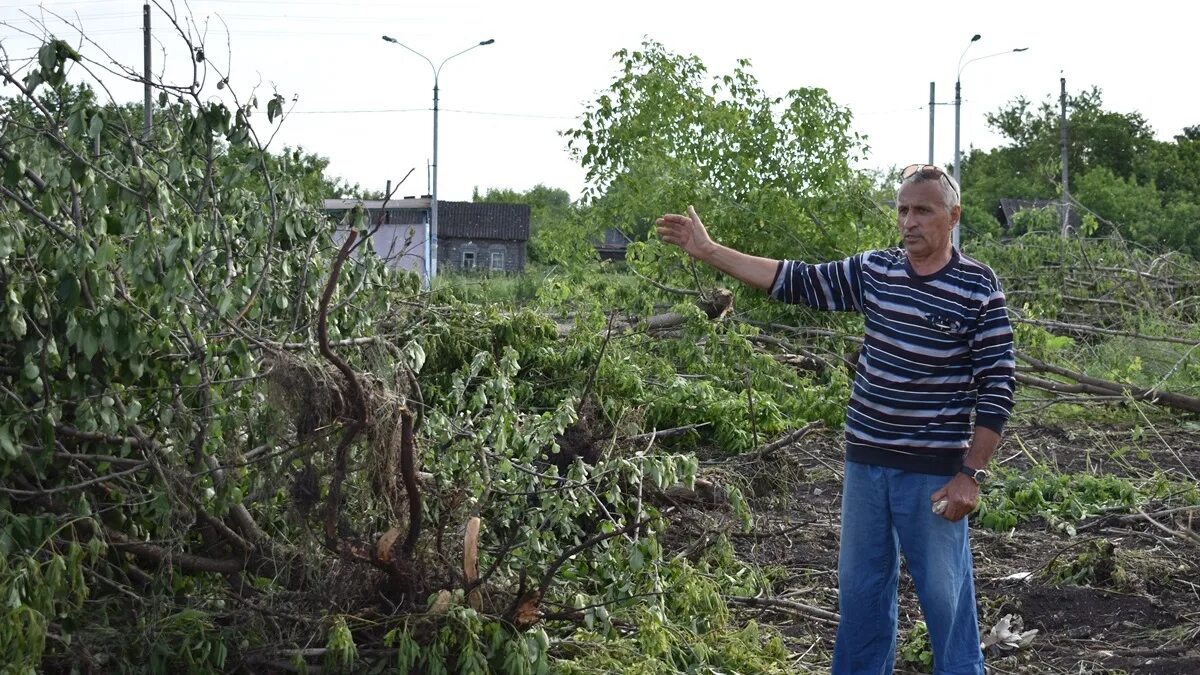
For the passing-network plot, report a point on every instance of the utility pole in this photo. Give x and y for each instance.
(957, 129)
(146, 130)
(432, 239)
(433, 216)
(931, 105)
(956, 233)
(1062, 142)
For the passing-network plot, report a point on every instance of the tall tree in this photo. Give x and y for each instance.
(772, 174)
(551, 212)
(1130, 182)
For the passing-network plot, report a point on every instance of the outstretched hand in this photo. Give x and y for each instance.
(686, 232)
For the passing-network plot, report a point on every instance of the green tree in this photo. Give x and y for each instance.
(1142, 188)
(551, 213)
(772, 174)
(119, 258)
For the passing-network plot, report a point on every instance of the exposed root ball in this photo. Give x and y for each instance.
(312, 393)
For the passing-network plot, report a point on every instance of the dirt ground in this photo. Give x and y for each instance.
(1140, 616)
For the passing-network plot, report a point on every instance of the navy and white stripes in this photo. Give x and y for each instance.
(936, 349)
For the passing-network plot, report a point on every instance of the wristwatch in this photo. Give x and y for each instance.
(980, 476)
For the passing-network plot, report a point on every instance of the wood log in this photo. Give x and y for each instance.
(795, 608)
(1164, 398)
(716, 307)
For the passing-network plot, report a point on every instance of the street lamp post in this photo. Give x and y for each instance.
(958, 113)
(955, 236)
(431, 239)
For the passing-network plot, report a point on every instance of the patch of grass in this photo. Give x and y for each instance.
(1065, 499)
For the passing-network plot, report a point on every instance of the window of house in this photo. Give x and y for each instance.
(468, 260)
(498, 261)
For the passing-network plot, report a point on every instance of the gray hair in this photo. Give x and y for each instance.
(951, 193)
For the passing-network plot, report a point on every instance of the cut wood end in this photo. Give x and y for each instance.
(442, 604)
(383, 549)
(527, 613)
(471, 561)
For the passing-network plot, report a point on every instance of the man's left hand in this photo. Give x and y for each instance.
(961, 495)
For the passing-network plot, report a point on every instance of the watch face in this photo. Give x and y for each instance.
(981, 476)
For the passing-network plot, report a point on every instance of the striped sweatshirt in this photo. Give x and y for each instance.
(936, 349)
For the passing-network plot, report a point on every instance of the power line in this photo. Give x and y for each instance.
(505, 114)
(123, 16)
(371, 111)
(293, 3)
(234, 34)
(117, 16)
(25, 4)
(358, 112)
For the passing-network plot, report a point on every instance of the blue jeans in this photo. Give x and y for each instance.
(885, 510)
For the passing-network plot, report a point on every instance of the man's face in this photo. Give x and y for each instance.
(923, 219)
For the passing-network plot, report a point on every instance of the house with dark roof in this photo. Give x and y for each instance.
(1007, 208)
(483, 236)
(612, 245)
(471, 235)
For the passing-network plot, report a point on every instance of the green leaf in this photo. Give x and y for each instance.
(274, 108)
(16, 324)
(14, 170)
(90, 343)
(75, 123)
(415, 355)
(47, 55)
(171, 249)
(7, 444)
(96, 126)
(104, 253)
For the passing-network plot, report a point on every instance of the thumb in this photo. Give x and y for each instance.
(692, 213)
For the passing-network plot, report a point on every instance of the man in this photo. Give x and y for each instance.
(937, 348)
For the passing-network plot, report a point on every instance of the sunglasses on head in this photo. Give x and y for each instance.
(928, 172)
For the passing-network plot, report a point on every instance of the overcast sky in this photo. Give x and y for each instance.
(366, 104)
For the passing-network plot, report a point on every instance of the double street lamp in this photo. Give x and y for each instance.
(958, 109)
(431, 240)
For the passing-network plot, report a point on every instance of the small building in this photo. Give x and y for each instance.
(471, 235)
(399, 227)
(613, 244)
(483, 236)
(1008, 207)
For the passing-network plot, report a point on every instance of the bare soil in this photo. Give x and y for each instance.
(1146, 619)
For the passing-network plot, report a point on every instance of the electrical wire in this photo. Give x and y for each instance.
(369, 111)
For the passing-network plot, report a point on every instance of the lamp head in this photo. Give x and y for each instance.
(975, 37)
(1020, 49)
(389, 39)
(486, 42)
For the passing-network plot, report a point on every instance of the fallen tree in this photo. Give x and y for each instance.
(227, 435)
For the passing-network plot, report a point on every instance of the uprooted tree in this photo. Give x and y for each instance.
(227, 434)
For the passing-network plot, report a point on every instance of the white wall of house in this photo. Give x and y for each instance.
(400, 246)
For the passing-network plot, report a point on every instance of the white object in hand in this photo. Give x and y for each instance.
(939, 507)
